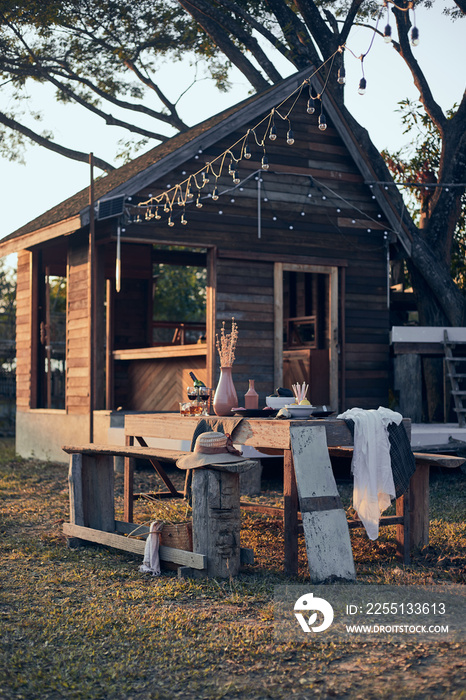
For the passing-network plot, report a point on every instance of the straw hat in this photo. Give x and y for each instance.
(211, 448)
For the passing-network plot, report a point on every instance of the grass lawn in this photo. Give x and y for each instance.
(85, 624)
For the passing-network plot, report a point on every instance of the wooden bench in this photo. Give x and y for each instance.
(92, 510)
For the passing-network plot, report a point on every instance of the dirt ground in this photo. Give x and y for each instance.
(85, 624)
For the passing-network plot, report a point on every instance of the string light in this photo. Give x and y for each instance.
(290, 137)
(322, 122)
(387, 34)
(167, 200)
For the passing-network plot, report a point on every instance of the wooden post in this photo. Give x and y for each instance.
(290, 514)
(216, 517)
(91, 299)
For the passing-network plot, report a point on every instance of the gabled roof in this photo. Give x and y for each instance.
(73, 213)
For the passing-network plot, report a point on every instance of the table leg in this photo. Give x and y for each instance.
(290, 514)
(403, 548)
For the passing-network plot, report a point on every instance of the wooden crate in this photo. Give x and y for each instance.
(177, 536)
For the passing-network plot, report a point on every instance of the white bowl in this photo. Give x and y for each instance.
(298, 411)
(277, 402)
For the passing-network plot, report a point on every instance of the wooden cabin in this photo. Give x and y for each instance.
(296, 253)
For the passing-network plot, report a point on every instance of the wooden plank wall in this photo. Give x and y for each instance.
(160, 385)
(77, 330)
(23, 330)
(245, 292)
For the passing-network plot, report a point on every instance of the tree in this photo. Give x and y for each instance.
(104, 54)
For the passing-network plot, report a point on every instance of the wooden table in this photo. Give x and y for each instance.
(275, 435)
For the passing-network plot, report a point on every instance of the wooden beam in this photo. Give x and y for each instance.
(128, 544)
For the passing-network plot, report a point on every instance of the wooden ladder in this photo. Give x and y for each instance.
(456, 371)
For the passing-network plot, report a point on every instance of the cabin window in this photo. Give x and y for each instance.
(51, 346)
(179, 297)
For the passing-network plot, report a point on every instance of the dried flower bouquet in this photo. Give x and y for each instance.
(226, 344)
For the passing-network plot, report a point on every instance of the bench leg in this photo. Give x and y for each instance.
(128, 490)
(419, 506)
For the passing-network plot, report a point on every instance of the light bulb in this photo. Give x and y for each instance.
(180, 202)
(322, 122)
(170, 222)
(189, 193)
(157, 215)
(310, 109)
(236, 177)
(205, 179)
(341, 76)
(198, 202)
(215, 193)
(414, 36)
(387, 34)
(362, 86)
(183, 220)
(290, 137)
(247, 152)
(265, 163)
(273, 132)
(166, 208)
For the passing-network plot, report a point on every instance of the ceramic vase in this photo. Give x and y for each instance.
(225, 397)
(251, 397)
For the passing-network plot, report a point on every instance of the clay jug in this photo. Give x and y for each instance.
(251, 397)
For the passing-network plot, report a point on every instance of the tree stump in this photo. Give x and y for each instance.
(216, 516)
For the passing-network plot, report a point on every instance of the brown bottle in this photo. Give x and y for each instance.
(251, 397)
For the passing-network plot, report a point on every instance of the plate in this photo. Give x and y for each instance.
(255, 412)
(322, 414)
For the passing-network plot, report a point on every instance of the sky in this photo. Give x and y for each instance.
(46, 179)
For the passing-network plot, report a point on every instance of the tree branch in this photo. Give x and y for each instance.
(226, 45)
(302, 50)
(168, 119)
(432, 108)
(254, 24)
(234, 28)
(51, 145)
(109, 118)
(350, 17)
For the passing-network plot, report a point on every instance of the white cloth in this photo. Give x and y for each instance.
(373, 487)
(151, 562)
